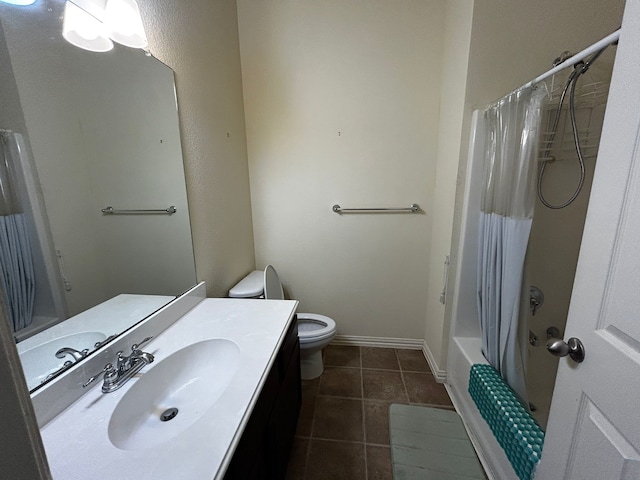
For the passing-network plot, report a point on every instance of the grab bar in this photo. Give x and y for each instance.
(413, 208)
(111, 211)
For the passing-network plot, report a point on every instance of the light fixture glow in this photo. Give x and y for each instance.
(83, 30)
(125, 24)
(22, 3)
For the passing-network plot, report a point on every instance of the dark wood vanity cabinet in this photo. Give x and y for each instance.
(263, 450)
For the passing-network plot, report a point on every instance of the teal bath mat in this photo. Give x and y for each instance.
(430, 444)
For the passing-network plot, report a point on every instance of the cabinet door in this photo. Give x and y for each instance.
(284, 418)
(249, 461)
(289, 346)
(263, 451)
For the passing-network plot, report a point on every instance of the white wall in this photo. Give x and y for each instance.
(342, 106)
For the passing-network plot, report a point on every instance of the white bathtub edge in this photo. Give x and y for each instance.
(465, 352)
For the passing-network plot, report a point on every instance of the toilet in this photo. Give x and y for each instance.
(314, 331)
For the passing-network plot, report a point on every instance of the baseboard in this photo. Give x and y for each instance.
(400, 343)
(383, 342)
(439, 374)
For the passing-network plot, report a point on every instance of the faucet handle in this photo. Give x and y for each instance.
(109, 372)
(136, 346)
(121, 360)
(108, 339)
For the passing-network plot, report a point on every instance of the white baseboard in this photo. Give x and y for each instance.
(439, 374)
(383, 342)
(400, 343)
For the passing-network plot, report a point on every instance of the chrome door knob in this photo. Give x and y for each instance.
(574, 348)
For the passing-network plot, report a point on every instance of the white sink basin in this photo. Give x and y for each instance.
(40, 361)
(190, 380)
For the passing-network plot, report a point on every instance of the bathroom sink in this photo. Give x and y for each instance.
(173, 394)
(41, 361)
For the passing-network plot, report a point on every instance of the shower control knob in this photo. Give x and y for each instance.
(574, 348)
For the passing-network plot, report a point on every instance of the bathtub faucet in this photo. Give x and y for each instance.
(77, 355)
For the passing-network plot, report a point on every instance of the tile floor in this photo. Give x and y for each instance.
(343, 429)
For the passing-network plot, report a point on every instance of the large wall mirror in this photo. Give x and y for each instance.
(82, 131)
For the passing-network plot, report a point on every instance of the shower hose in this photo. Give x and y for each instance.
(579, 69)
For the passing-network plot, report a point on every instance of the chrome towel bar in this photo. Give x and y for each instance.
(413, 208)
(111, 211)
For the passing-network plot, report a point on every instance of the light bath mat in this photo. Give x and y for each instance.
(431, 444)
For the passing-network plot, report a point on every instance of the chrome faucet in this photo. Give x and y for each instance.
(126, 367)
(76, 354)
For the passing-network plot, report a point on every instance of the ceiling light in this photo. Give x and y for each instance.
(22, 3)
(84, 30)
(124, 23)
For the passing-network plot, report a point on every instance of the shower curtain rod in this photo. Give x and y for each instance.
(570, 62)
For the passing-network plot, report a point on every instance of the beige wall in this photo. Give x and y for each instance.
(199, 41)
(525, 37)
(457, 32)
(341, 102)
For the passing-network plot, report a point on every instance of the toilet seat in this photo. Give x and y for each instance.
(272, 284)
(313, 327)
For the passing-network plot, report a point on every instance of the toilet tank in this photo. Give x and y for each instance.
(251, 286)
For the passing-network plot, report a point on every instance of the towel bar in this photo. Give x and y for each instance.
(111, 211)
(413, 208)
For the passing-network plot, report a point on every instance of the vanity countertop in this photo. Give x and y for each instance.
(77, 441)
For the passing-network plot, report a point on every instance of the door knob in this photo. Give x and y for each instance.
(574, 348)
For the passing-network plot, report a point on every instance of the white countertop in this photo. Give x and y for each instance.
(77, 441)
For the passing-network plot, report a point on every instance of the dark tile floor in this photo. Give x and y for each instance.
(343, 430)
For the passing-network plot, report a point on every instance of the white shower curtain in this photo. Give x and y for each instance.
(511, 149)
(17, 274)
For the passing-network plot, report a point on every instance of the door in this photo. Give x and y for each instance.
(594, 423)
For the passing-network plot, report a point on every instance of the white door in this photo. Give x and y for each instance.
(594, 424)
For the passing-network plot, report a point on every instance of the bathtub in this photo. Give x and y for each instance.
(464, 352)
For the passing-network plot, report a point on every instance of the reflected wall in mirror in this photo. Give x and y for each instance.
(82, 131)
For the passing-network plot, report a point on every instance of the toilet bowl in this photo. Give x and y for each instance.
(314, 331)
